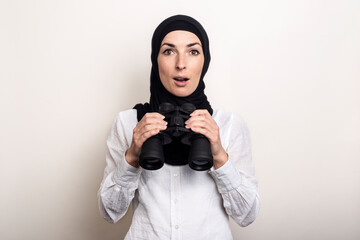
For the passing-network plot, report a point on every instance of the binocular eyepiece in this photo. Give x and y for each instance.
(152, 154)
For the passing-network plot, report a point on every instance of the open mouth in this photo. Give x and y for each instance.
(181, 79)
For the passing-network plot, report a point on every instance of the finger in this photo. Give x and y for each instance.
(202, 124)
(153, 115)
(200, 112)
(140, 137)
(146, 135)
(196, 118)
(151, 130)
(203, 131)
(150, 124)
(212, 136)
(200, 115)
(150, 120)
(150, 116)
(201, 121)
(150, 127)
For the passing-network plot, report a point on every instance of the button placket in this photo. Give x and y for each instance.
(175, 206)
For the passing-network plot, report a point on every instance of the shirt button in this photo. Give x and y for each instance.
(175, 201)
(176, 227)
(175, 174)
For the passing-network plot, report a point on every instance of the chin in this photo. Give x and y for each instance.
(181, 93)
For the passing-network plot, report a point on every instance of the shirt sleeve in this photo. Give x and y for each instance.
(120, 179)
(235, 180)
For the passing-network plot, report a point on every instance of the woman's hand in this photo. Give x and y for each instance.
(150, 125)
(200, 121)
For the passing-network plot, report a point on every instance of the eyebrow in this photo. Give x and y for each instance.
(172, 45)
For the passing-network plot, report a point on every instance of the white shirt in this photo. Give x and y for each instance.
(176, 202)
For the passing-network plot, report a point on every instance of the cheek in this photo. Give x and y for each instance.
(164, 72)
(163, 67)
(198, 66)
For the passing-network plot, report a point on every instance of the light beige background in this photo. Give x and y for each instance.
(290, 68)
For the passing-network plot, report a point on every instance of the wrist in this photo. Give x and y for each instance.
(132, 158)
(220, 159)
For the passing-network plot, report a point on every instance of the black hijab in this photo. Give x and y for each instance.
(175, 152)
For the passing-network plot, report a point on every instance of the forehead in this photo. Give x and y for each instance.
(179, 37)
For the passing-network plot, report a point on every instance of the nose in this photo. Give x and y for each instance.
(180, 62)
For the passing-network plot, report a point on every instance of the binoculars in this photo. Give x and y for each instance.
(152, 155)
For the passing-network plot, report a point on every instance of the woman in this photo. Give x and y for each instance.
(176, 202)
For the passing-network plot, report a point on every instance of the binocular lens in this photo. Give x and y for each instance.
(152, 155)
(200, 157)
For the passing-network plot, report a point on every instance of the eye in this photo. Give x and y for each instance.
(167, 51)
(194, 52)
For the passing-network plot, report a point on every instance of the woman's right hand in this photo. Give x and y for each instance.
(150, 125)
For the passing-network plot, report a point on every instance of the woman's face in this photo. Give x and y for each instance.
(180, 62)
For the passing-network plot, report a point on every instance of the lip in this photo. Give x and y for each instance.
(179, 81)
(181, 77)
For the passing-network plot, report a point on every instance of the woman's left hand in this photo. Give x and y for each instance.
(200, 121)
